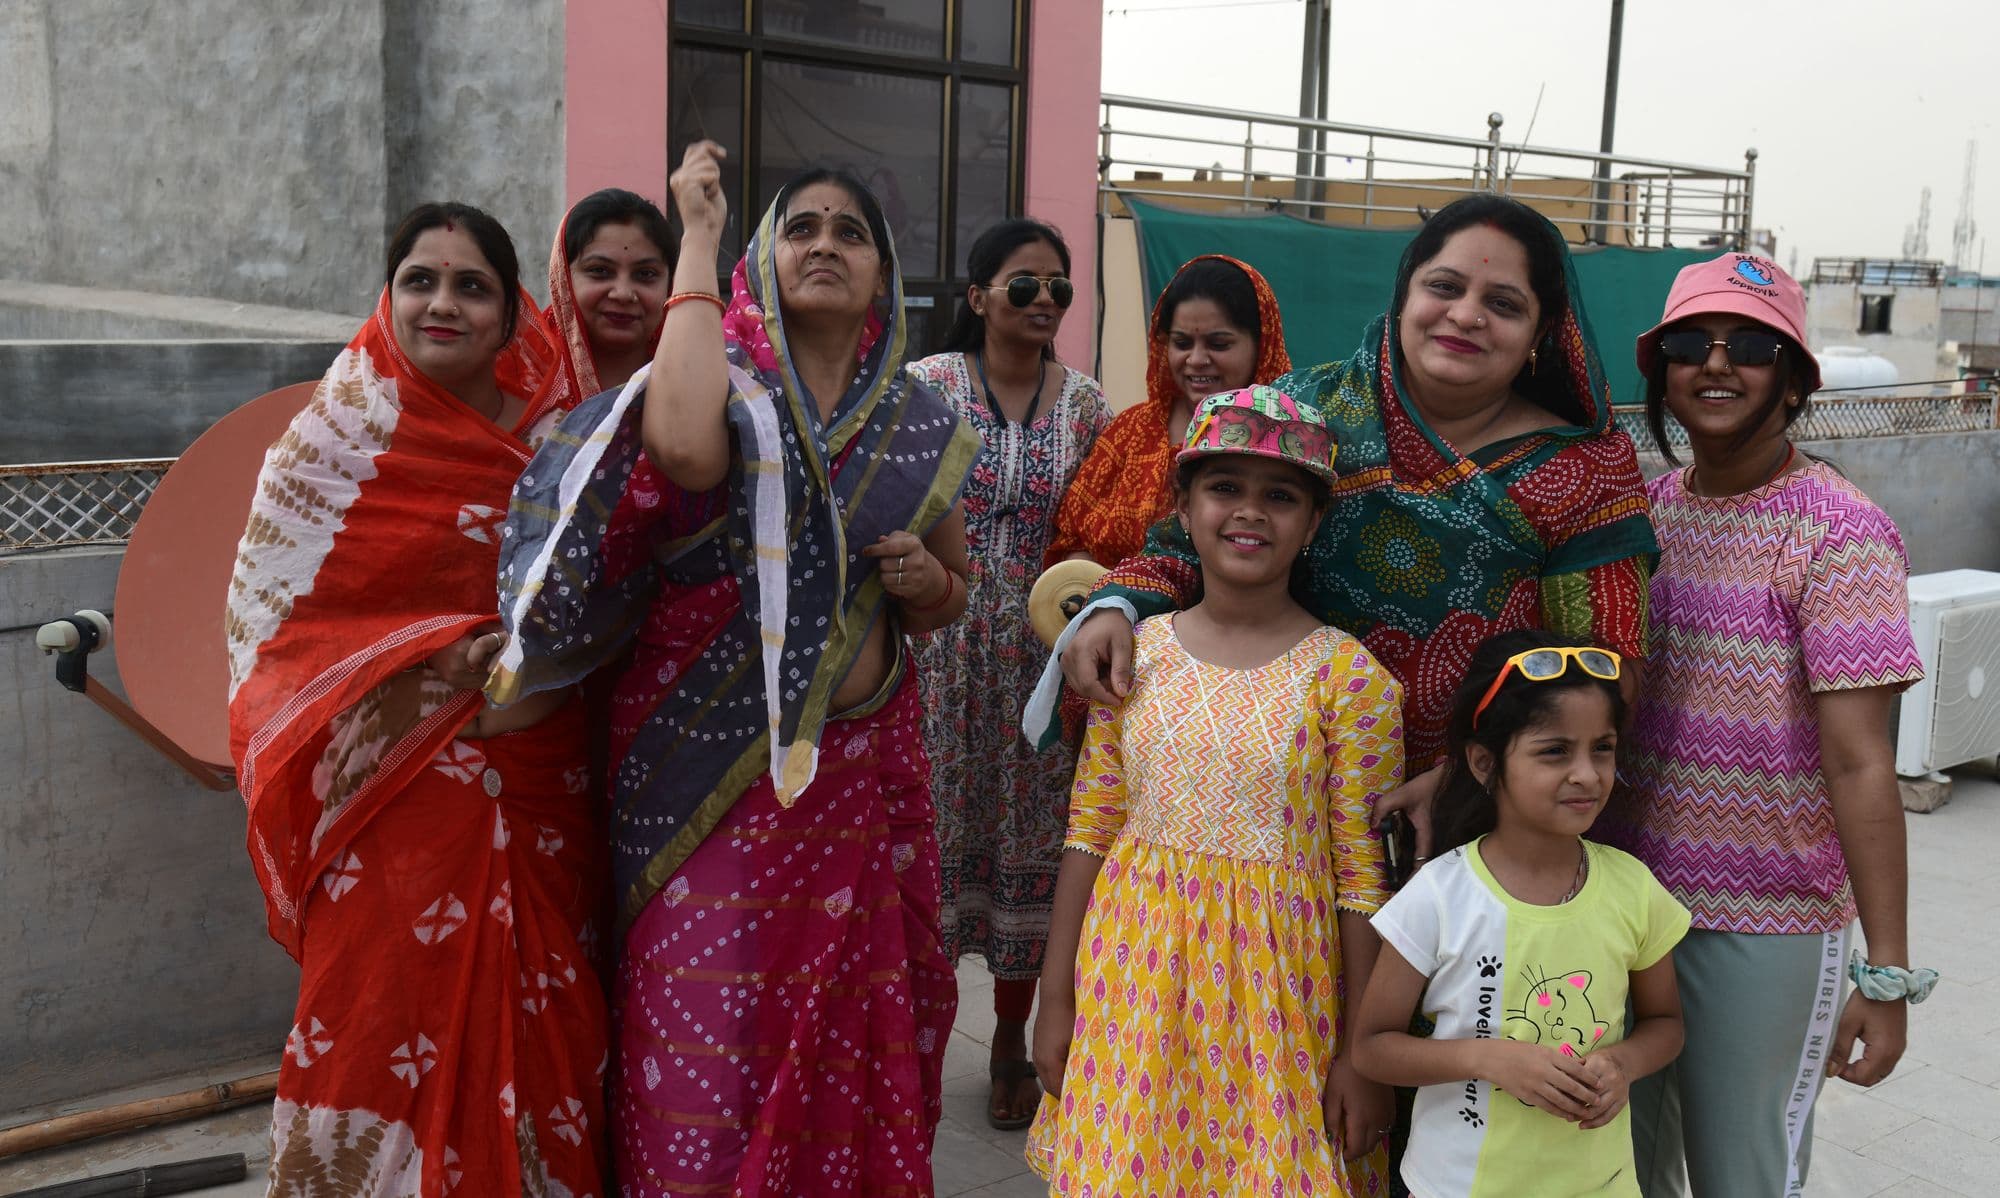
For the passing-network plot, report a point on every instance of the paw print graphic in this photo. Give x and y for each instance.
(1489, 967)
(1471, 1116)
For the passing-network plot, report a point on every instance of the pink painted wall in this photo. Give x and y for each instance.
(615, 97)
(1065, 53)
(615, 122)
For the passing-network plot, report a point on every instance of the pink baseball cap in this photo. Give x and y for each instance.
(1739, 285)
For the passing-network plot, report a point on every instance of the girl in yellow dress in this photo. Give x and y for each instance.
(1211, 913)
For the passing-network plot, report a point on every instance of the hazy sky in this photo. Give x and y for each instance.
(1853, 106)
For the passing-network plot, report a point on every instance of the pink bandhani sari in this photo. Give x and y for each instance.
(783, 999)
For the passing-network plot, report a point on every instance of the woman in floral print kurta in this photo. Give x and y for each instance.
(1000, 803)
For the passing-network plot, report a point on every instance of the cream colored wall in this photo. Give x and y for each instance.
(1122, 350)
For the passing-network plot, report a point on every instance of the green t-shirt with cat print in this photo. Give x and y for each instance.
(1547, 975)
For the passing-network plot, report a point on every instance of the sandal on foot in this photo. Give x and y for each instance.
(1010, 1074)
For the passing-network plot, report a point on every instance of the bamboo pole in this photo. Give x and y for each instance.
(129, 1116)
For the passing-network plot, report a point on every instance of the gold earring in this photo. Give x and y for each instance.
(1532, 364)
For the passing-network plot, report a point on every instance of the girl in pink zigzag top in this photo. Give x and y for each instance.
(1522, 943)
(1763, 793)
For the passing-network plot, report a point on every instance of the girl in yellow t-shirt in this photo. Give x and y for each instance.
(1522, 942)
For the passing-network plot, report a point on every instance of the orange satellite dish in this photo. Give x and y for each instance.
(173, 583)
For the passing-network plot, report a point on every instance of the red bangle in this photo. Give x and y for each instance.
(683, 296)
(950, 581)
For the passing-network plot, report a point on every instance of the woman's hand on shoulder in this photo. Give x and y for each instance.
(697, 188)
(1098, 662)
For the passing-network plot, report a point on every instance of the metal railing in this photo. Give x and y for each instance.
(1831, 418)
(64, 504)
(1362, 174)
(1885, 272)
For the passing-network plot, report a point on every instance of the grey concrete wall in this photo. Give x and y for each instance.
(1941, 489)
(240, 150)
(474, 113)
(82, 401)
(132, 941)
(54, 312)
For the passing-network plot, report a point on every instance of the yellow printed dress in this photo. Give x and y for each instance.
(1232, 809)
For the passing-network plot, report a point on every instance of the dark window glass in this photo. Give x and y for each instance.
(711, 14)
(985, 161)
(706, 100)
(907, 27)
(887, 129)
(986, 32)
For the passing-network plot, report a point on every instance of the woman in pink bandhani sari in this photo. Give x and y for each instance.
(766, 513)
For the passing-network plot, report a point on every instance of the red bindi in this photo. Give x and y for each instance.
(450, 228)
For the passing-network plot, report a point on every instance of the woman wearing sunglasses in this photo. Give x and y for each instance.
(1214, 329)
(1764, 796)
(1002, 808)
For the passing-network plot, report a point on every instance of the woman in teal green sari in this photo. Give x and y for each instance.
(1482, 486)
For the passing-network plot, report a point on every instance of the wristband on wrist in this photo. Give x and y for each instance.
(681, 297)
(1887, 983)
(950, 584)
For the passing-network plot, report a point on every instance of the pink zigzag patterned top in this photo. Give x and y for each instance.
(1761, 601)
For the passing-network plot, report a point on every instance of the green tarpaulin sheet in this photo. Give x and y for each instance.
(1331, 281)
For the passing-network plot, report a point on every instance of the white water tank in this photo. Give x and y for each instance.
(1842, 366)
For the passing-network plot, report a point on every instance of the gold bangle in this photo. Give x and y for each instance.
(679, 297)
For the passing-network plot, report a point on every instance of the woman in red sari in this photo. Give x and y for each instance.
(1215, 328)
(434, 867)
(765, 516)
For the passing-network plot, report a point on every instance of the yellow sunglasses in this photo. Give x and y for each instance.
(1546, 665)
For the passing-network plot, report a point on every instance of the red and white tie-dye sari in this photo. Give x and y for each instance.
(438, 891)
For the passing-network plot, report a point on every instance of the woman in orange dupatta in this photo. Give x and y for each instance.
(1215, 328)
(609, 273)
(434, 868)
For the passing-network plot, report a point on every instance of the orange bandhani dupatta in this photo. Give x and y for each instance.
(1126, 484)
(373, 541)
(564, 330)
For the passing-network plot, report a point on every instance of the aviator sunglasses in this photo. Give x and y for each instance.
(1745, 348)
(1546, 665)
(1023, 289)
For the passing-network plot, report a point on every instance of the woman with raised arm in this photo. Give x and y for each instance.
(432, 864)
(609, 274)
(1483, 487)
(767, 516)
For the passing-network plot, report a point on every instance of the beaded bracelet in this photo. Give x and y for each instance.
(950, 584)
(1886, 983)
(705, 296)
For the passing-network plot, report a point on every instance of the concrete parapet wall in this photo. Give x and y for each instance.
(55, 312)
(131, 926)
(261, 152)
(80, 401)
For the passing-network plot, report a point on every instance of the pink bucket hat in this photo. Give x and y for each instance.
(1264, 422)
(1739, 285)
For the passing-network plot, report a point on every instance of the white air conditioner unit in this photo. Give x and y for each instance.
(1953, 715)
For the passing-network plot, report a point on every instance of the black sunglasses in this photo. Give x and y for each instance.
(1022, 290)
(1746, 348)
